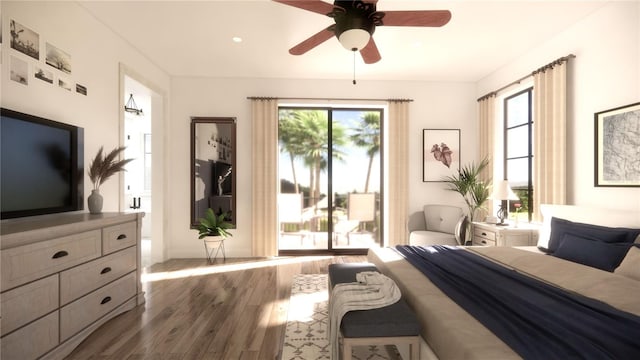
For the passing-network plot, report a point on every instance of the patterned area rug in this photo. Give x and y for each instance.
(306, 335)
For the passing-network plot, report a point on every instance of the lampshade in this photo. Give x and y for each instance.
(502, 191)
(354, 39)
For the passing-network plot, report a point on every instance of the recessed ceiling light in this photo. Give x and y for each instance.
(237, 39)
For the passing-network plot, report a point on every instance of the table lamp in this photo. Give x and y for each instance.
(502, 191)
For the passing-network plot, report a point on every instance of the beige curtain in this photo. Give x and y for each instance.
(486, 116)
(397, 197)
(549, 139)
(264, 167)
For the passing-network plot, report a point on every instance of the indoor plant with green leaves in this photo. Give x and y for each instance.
(474, 190)
(214, 225)
(214, 229)
(100, 170)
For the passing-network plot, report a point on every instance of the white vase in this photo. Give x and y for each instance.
(94, 201)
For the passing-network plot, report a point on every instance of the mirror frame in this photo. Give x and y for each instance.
(195, 121)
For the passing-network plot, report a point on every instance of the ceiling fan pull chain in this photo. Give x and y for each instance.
(354, 67)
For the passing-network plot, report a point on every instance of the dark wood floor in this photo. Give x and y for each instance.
(232, 310)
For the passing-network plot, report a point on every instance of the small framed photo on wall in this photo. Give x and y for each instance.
(617, 155)
(440, 154)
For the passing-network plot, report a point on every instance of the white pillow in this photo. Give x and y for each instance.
(630, 265)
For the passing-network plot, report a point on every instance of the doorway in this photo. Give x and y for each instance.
(142, 182)
(330, 180)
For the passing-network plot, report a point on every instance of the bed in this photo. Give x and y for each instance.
(450, 332)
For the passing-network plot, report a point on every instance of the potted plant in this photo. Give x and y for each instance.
(214, 229)
(102, 168)
(471, 187)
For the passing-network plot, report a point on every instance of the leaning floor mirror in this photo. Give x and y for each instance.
(213, 167)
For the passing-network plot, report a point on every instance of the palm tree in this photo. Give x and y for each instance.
(368, 136)
(289, 135)
(312, 131)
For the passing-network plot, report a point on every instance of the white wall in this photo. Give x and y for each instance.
(435, 105)
(605, 75)
(95, 56)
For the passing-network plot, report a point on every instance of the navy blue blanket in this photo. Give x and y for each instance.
(537, 320)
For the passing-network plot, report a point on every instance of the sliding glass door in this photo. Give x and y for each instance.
(330, 179)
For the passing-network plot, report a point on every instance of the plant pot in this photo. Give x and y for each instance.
(94, 201)
(212, 246)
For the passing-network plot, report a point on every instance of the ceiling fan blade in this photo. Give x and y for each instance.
(313, 41)
(370, 53)
(432, 18)
(315, 6)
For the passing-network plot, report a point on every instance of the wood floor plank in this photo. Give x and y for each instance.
(236, 309)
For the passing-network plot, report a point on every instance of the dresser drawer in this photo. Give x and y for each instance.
(27, 303)
(85, 278)
(118, 237)
(30, 262)
(484, 233)
(478, 241)
(82, 312)
(33, 340)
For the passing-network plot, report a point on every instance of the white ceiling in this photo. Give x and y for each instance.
(194, 38)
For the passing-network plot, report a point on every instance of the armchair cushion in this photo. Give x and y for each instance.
(442, 218)
(428, 238)
(437, 224)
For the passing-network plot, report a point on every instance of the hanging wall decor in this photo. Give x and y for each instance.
(58, 59)
(24, 39)
(617, 135)
(19, 71)
(43, 74)
(440, 153)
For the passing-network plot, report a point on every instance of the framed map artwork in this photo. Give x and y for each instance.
(617, 147)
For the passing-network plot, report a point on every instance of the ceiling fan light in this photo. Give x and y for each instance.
(354, 39)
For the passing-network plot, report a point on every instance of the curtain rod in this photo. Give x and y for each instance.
(542, 69)
(326, 99)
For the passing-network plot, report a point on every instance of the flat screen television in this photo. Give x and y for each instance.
(41, 165)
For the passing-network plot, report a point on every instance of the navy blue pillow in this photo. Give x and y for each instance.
(560, 227)
(590, 252)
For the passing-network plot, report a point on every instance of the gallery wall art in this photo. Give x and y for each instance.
(51, 66)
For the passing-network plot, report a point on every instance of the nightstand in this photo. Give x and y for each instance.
(485, 234)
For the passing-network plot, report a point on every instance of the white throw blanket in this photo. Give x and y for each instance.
(371, 291)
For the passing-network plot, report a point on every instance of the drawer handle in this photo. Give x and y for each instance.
(121, 237)
(484, 234)
(105, 270)
(60, 254)
(484, 241)
(105, 300)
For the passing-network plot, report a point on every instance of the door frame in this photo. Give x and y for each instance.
(158, 168)
(344, 251)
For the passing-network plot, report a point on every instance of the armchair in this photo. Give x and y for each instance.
(438, 224)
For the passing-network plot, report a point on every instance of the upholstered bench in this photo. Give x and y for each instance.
(394, 324)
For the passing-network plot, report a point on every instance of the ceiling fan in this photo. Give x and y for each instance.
(355, 22)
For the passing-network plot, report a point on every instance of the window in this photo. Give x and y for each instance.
(330, 179)
(518, 151)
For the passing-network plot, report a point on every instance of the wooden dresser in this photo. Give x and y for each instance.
(62, 277)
